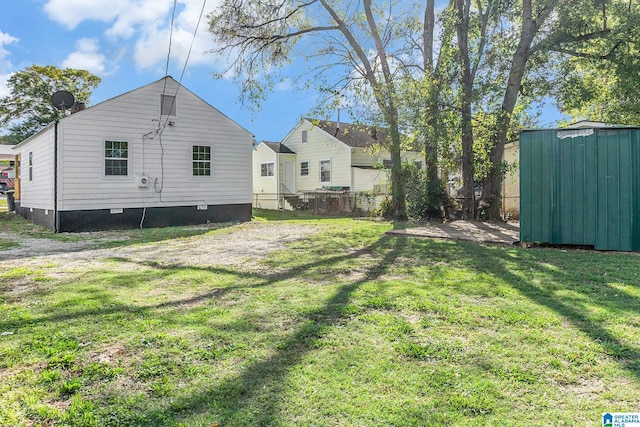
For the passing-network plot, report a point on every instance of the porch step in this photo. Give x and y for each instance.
(295, 202)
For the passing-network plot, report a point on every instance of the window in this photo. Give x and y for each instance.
(304, 136)
(116, 155)
(418, 164)
(304, 168)
(167, 105)
(387, 164)
(266, 169)
(30, 166)
(201, 160)
(325, 170)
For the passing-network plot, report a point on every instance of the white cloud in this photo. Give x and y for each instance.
(140, 16)
(146, 23)
(72, 12)
(285, 84)
(86, 57)
(5, 39)
(5, 66)
(152, 47)
(4, 90)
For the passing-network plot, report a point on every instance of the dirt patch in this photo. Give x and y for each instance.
(482, 232)
(239, 245)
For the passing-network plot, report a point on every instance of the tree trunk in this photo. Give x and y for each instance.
(434, 187)
(492, 188)
(398, 192)
(462, 30)
(386, 97)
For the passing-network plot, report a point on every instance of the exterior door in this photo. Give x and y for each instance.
(289, 181)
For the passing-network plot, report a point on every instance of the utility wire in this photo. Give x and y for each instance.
(204, 3)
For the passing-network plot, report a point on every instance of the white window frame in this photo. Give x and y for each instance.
(30, 165)
(305, 136)
(194, 161)
(105, 158)
(268, 175)
(308, 168)
(330, 170)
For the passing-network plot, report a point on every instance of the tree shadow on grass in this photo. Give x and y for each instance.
(517, 267)
(255, 395)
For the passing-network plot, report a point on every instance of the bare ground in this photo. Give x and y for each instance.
(238, 245)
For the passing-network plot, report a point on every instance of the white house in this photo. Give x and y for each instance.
(270, 181)
(156, 156)
(322, 155)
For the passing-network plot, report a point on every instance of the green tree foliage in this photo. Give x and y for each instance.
(601, 79)
(459, 80)
(27, 109)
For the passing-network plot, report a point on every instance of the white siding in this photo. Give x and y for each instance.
(370, 180)
(511, 183)
(368, 157)
(365, 157)
(320, 146)
(167, 160)
(265, 188)
(37, 193)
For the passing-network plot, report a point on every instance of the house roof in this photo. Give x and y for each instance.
(353, 135)
(165, 79)
(278, 147)
(6, 152)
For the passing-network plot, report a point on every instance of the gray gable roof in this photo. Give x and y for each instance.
(278, 147)
(353, 135)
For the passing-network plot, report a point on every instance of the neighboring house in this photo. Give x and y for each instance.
(270, 160)
(320, 155)
(511, 182)
(156, 156)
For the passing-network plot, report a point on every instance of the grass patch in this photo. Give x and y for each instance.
(348, 327)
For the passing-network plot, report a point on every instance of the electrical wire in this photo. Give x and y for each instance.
(193, 39)
(166, 68)
(161, 125)
(186, 61)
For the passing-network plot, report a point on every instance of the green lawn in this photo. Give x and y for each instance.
(346, 328)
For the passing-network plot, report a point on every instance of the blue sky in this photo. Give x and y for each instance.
(125, 42)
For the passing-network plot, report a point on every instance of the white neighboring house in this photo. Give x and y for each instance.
(270, 161)
(156, 156)
(320, 155)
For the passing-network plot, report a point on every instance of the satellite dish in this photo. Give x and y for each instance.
(63, 100)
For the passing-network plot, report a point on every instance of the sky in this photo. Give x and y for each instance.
(126, 43)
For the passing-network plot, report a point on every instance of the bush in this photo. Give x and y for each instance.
(421, 202)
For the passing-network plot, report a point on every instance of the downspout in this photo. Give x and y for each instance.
(56, 222)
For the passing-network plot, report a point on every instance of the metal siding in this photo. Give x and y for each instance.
(581, 190)
(615, 200)
(576, 219)
(536, 198)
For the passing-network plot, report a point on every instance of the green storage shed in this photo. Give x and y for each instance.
(581, 186)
